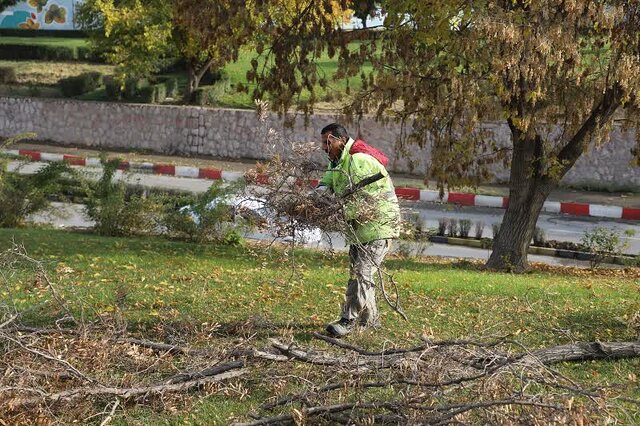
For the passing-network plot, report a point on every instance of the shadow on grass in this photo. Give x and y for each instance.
(595, 325)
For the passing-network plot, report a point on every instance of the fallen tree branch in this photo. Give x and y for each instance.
(8, 321)
(107, 420)
(50, 357)
(211, 371)
(429, 345)
(126, 393)
(583, 351)
(161, 347)
(318, 359)
(369, 385)
(313, 411)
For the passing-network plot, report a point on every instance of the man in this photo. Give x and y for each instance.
(369, 238)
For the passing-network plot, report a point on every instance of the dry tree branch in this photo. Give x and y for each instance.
(11, 319)
(284, 184)
(107, 419)
(126, 393)
(19, 252)
(49, 357)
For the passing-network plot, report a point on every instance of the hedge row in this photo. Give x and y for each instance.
(141, 90)
(7, 75)
(80, 84)
(19, 32)
(155, 92)
(210, 95)
(43, 52)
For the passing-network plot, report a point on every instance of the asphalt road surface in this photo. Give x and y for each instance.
(556, 226)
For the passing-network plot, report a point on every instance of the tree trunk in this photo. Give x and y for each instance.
(529, 183)
(196, 71)
(193, 83)
(528, 189)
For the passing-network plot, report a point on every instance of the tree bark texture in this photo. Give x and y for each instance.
(528, 189)
(530, 182)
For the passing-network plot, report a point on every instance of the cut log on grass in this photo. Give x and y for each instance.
(584, 351)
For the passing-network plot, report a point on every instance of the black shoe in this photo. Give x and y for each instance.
(341, 328)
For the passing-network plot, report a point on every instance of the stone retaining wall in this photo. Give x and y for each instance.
(236, 134)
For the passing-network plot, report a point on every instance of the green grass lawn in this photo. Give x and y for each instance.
(153, 282)
(50, 41)
(39, 73)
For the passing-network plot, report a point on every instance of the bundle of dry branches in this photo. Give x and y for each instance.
(285, 182)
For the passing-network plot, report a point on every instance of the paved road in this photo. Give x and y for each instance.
(65, 215)
(556, 227)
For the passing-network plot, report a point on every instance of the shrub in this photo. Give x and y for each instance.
(133, 87)
(8, 75)
(87, 54)
(80, 84)
(209, 95)
(202, 217)
(171, 85)
(112, 88)
(153, 94)
(37, 51)
(147, 95)
(452, 227)
(22, 195)
(539, 237)
(465, 227)
(116, 212)
(442, 226)
(479, 229)
(602, 242)
(160, 92)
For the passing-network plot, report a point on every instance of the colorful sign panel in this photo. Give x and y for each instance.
(40, 15)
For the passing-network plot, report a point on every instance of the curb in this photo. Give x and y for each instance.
(622, 260)
(412, 194)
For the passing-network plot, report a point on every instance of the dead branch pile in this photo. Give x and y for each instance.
(49, 374)
(76, 370)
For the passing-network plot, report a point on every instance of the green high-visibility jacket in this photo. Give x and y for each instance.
(351, 169)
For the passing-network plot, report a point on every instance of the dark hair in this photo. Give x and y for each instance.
(336, 130)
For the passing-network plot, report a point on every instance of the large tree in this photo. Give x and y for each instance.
(555, 71)
(141, 36)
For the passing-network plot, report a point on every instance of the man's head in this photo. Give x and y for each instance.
(333, 138)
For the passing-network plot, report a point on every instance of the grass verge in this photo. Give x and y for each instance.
(164, 288)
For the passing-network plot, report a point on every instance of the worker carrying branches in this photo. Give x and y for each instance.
(357, 175)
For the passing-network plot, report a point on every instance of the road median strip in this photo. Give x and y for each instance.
(405, 193)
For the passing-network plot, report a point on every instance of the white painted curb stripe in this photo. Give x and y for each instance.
(488, 201)
(13, 152)
(231, 175)
(143, 166)
(598, 210)
(187, 171)
(93, 162)
(551, 206)
(47, 156)
(427, 195)
(595, 210)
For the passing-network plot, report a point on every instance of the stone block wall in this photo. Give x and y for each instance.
(235, 134)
